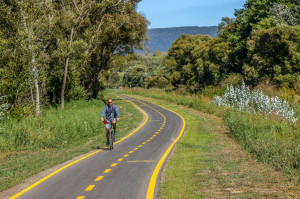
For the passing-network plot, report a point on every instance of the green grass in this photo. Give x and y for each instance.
(30, 146)
(207, 163)
(269, 139)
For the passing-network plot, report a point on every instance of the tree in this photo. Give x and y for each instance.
(225, 21)
(123, 29)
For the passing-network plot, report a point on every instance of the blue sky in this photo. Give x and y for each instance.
(176, 13)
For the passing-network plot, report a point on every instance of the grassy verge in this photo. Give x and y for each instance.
(31, 146)
(207, 163)
(269, 139)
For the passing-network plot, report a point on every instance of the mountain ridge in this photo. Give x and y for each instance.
(162, 38)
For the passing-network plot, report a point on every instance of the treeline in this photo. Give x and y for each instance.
(261, 44)
(52, 51)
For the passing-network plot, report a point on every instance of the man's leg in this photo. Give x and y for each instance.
(114, 123)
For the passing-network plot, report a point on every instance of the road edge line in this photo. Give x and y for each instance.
(76, 161)
(152, 183)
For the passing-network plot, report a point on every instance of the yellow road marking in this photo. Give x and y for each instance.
(142, 161)
(99, 178)
(140, 145)
(115, 164)
(89, 188)
(80, 197)
(135, 149)
(125, 156)
(76, 161)
(130, 151)
(144, 143)
(107, 171)
(151, 138)
(120, 160)
(157, 132)
(148, 141)
(154, 135)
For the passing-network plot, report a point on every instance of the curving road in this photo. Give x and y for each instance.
(129, 171)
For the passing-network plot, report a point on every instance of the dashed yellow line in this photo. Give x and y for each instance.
(99, 178)
(140, 146)
(80, 197)
(135, 149)
(148, 141)
(154, 135)
(125, 156)
(130, 152)
(115, 164)
(90, 188)
(107, 171)
(120, 160)
(144, 143)
(157, 132)
(151, 138)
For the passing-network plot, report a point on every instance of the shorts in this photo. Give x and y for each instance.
(110, 121)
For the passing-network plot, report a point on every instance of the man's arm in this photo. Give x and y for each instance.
(118, 114)
(103, 113)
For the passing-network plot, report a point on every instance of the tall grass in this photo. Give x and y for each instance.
(268, 138)
(56, 129)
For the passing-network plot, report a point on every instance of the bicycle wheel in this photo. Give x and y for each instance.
(111, 140)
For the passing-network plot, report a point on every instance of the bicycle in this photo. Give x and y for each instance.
(111, 136)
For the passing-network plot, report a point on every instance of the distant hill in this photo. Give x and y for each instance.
(162, 38)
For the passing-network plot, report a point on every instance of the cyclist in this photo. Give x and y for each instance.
(112, 116)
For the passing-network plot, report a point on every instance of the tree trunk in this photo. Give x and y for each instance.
(63, 88)
(37, 91)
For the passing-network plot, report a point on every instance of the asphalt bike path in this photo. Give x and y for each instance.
(130, 170)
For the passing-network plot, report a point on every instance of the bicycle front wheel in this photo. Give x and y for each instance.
(111, 140)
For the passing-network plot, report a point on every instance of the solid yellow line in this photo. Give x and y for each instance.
(107, 171)
(57, 171)
(99, 178)
(80, 197)
(115, 164)
(151, 188)
(89, 188)
(50, 175)
(120, 160)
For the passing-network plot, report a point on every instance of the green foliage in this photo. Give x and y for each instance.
(41, 42)
(143, 71)
(261, 44)
(274, 54)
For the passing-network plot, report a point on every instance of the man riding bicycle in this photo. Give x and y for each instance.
(112, 117)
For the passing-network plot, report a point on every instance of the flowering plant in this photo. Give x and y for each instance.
(242, 98)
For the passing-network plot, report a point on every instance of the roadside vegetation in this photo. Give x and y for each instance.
(208, 163)
(269, 138)
(57, 137)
